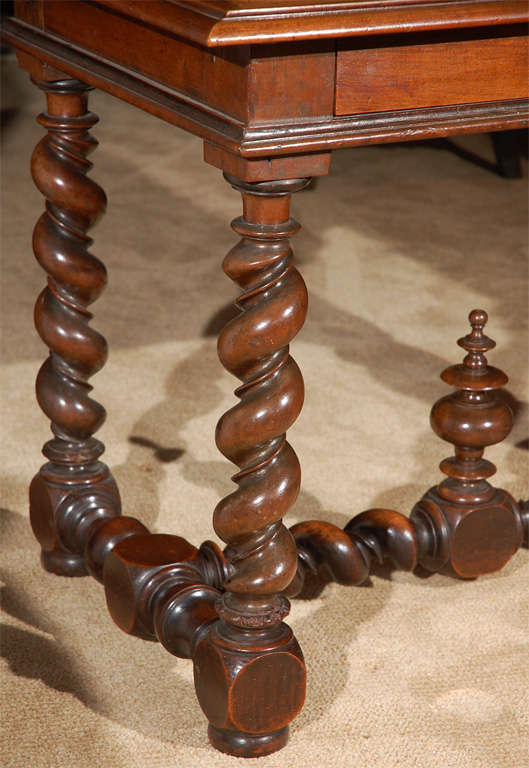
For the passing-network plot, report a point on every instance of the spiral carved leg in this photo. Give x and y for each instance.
(249, 669)
(328, 554)
(73, 485)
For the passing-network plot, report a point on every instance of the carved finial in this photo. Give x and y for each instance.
(471, 418)
(475, 342)
(475, 375)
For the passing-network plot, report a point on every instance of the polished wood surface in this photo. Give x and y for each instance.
(272, 88)
(225, 72)
(74, 480)
(228, 23)
(465, 504)
(410, 76)
(250, 641)
(463, 527)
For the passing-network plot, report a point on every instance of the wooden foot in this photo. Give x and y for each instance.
(74, 485)
(246, 744)
(479, 528)
(463, 527)
(62, 563)
(249, 669)
(507, 147)
(225, 610)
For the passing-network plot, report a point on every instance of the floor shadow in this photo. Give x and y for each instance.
(158, 440)
(517, 138)
(165, 455)
(31, 655)
(330, 621)
(424, 226)
(434, 222)
(153, 452)
(68, 667)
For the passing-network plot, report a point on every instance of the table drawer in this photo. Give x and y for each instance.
(440, 74)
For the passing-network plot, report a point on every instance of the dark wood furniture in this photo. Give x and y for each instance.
(272, 88)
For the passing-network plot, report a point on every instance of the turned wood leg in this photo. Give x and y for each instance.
(478, 528)
(73, 490)
(464, 527)
(507, 149)
(249, 669)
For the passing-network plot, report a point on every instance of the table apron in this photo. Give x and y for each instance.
(440, 74)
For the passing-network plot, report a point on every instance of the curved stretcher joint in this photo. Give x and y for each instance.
(225, 610)
(463, 527)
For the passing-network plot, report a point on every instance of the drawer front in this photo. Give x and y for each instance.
(441, 74)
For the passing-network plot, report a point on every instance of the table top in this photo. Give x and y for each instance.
(237, 22)
(278, 79)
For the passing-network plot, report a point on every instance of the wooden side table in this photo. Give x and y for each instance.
(272, 88)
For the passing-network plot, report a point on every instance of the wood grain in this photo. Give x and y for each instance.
(463, 527)
(272, 72)
(410, 77)
(256, 81)
(269, 168)
(219, 24)
(218, 79)
(30, 11)
(281, 138)
(74, 482)
(238, 666)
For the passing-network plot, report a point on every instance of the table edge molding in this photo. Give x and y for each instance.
(207, 26)
(254, 140)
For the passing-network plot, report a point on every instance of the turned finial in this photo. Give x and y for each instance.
(475, 343)
(472, 417)
(477, 527)
(475, 375)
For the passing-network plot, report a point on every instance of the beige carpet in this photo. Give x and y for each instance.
(397, 245)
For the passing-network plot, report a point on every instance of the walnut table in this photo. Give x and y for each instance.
(272, 88)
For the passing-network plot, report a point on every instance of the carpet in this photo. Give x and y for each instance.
(398, 244)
